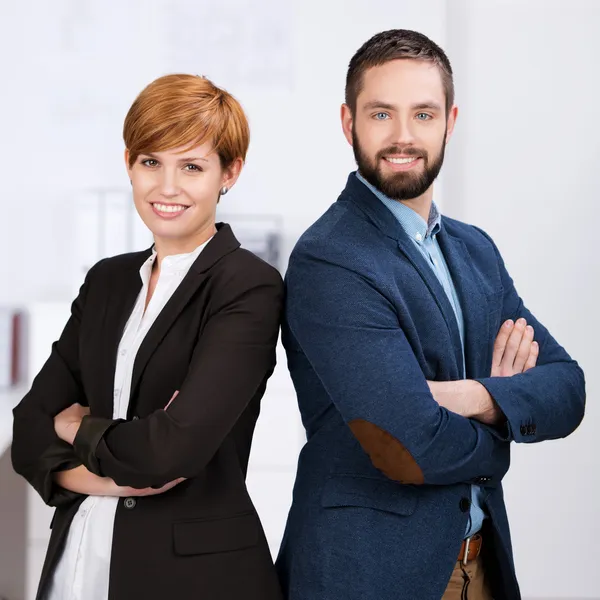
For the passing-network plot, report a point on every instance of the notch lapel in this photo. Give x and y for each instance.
(439, 295)
(121, 300)
(386, 222)
(223, 243)
(472, 300)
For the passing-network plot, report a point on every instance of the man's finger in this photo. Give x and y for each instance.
(501, 341)
(512, 347)
(533, 356)
(524, 350)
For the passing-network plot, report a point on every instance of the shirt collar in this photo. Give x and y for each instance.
(175, 263)
(412, 223)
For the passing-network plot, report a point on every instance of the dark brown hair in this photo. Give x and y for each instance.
(393, 45)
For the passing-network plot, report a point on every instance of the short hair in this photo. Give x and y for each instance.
(186, 110)
(393, 45)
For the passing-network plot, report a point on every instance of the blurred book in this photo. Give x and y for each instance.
(11, 347)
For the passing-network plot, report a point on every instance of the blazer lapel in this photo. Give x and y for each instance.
(120, 304)
(439, 295)
(385, 221)
(222, 244)
(472, 300)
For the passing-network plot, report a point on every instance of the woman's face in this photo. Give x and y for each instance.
(176, 193)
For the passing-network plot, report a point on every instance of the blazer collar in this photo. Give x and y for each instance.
(222, 243)
(373, 208)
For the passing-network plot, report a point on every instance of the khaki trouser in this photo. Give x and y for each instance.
(468, 582)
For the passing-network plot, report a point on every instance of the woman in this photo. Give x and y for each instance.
(138, 428)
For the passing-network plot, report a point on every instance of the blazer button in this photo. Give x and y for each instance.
(464, 505)
(523, 429)
(130, 503)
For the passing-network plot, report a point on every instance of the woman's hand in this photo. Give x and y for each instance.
(81, 481)
(129, 491)
(67, 422)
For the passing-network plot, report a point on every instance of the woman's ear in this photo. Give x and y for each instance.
(231, 174)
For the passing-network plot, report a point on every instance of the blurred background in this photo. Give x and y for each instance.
(522, 165)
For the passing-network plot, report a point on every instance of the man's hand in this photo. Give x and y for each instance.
(514, 352)
(67, 422)
(514, 349)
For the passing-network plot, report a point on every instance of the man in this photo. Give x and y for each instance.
(413, 360)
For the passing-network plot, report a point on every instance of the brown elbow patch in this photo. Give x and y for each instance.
(387, 453)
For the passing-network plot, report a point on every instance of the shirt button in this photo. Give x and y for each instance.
(130, 503)
(116, 392)
(418, 237)
(123, 352)
(434, 262)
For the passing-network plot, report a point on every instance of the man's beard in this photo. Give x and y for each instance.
(403, 185)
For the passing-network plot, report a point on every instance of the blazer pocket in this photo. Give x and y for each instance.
(379, 494)
(211, 536)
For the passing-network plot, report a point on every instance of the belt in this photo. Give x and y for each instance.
(470, 549)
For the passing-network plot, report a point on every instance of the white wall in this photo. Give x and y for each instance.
(522, 156)
(523, 167)
(73, 67)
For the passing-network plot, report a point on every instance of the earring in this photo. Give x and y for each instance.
(224, 190)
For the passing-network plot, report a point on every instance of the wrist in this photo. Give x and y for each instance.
(71, 431)
(487, 411)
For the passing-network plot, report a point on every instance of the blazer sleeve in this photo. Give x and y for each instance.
(37, 452)
(548, 401)
(232, 360)
(350, 334)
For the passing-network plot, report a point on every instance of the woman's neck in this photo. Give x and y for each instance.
(171, 246)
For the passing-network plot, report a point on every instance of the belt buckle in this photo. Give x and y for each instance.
(466, 556)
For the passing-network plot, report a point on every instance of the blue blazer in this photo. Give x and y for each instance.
(382, 493)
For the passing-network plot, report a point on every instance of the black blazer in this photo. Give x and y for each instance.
(214, 342)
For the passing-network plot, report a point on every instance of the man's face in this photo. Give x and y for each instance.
(400, 129)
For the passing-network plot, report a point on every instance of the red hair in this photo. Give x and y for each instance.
(186, 110)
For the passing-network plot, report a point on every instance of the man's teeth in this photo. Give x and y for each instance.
(401, 161)
(170, 208)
